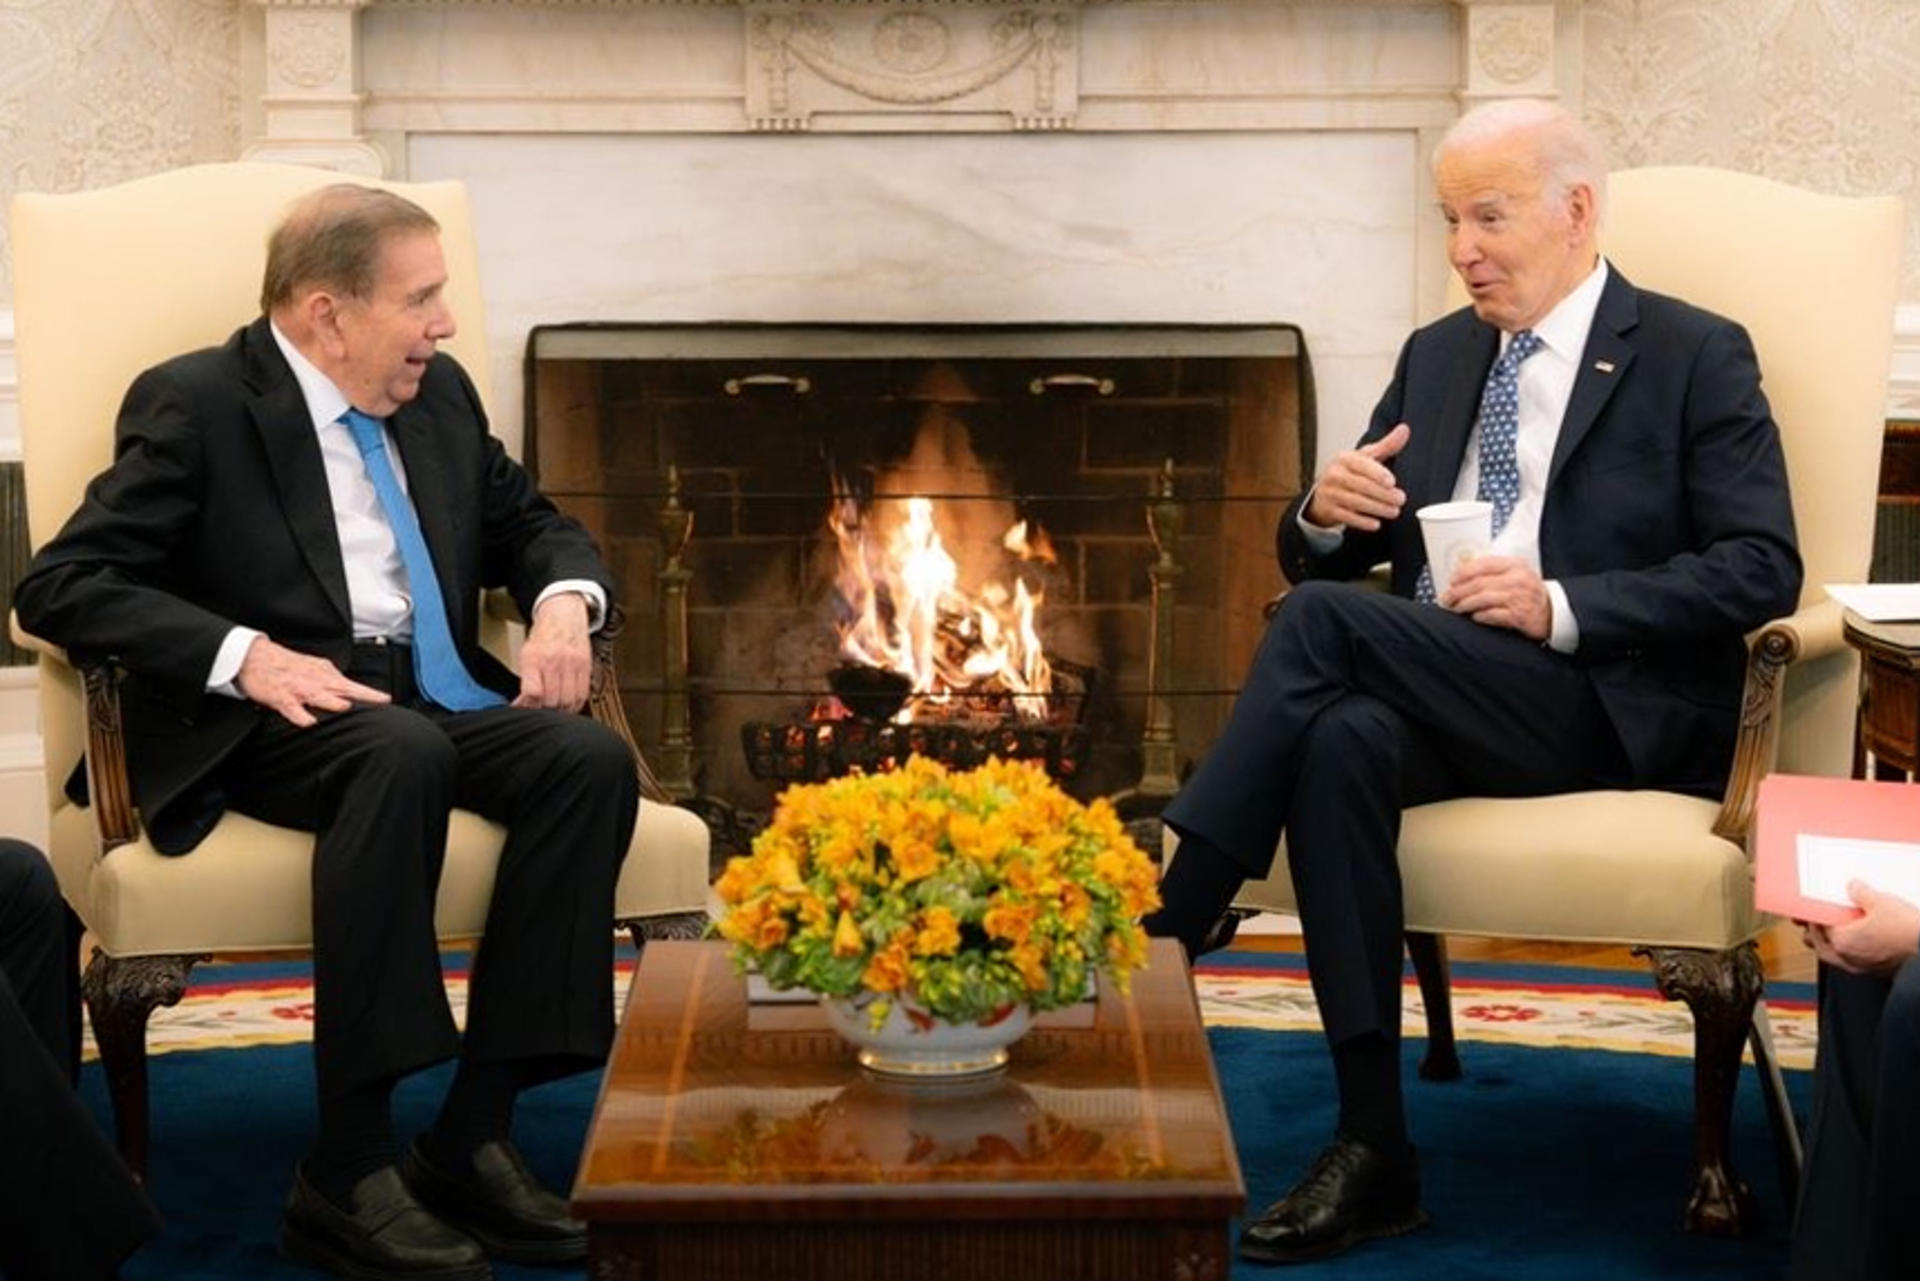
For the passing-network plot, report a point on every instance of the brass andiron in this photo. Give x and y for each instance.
(676, 720)
(1159, 760)
(1166, 517)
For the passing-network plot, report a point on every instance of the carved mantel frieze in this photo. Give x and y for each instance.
(896, 63)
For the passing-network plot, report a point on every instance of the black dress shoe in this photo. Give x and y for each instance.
(1351, 1193)
(499, 1204)
(384, 1236)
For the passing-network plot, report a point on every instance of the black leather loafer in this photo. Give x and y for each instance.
(384, 1236)
(1351, 1193)
(500, 1205)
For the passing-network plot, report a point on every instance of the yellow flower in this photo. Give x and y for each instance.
(846, 937)
(916, 860)
(939, 933)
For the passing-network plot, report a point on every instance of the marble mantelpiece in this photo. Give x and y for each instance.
(1022, 160)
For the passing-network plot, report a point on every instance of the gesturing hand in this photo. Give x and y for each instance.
(556, 660)
(1358, 490)
(296, 685)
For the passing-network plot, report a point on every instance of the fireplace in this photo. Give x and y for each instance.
(715, 462)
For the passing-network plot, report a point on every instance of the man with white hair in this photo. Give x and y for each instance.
(1641, 527)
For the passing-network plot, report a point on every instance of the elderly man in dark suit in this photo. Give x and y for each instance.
(1642, 527)
(286, 558)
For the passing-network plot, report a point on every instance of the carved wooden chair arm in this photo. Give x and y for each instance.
(108, 786)
(1812, 632)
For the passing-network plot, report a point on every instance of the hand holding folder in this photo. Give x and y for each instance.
(1813, 836)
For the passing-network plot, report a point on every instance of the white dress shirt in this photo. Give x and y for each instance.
(1546, 387)
(376, 578)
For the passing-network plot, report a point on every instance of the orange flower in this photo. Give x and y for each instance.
(887, 971)
(1012, 922)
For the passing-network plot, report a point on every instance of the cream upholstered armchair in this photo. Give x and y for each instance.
(1813, 278)
(107, 283)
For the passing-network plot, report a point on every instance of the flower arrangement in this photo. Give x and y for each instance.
(961, 894)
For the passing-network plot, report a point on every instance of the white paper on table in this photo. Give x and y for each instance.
(1827, 863)
(1879, 602)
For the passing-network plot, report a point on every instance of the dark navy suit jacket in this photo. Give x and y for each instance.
(1667, 518)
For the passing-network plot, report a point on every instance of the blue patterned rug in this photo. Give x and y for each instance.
(1563, 1154)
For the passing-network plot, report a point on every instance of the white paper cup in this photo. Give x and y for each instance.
(1454, 534)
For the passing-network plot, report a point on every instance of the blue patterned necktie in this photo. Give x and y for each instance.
(1499, 482)
(437, 668)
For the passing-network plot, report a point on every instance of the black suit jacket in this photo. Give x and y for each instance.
(216, 512)
(1667, 518)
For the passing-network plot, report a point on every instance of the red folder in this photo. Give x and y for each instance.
(1792, 804)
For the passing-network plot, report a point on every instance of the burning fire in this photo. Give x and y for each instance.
(908, 613)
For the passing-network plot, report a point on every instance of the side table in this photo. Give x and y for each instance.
(1889, 727)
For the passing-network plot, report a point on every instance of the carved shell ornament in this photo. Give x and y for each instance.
(1515, 47)
(911, 43)
(309, 50)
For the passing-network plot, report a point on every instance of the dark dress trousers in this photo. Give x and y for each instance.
(1666, 520)
(217, 512)
(69, 1210)
(1855, 1221)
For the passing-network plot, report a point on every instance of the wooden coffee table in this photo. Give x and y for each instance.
(741, 1142)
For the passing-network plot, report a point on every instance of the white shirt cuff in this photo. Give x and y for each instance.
(1563, 631)
(596, 598)
(227, 660)
(1320, 538)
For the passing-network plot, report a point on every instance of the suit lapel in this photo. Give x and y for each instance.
(1603, 366)
(1458, 411)
(280, 416)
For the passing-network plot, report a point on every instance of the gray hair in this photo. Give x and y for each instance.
(333, 237)
(1569, 152)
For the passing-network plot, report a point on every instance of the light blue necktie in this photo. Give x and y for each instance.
(437, 668)
(1499, 436)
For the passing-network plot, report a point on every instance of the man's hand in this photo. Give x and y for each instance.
(296, 685)
(1502, 591)
(1877, 943)
(1357, 490)
(556, 661)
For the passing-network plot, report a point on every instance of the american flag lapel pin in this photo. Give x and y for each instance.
(1604, 366)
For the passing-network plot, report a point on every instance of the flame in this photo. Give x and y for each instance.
(907, 612)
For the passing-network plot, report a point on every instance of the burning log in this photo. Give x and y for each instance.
(861, 727)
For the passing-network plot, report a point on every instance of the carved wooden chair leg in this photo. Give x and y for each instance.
(681, 925)
(1428, 953)
(1773, 1090)
(121, 993)
(1720, 988)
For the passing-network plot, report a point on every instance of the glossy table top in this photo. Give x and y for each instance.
(714, 1107)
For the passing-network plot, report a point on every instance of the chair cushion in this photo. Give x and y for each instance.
(247, 886)
(1590, 867)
